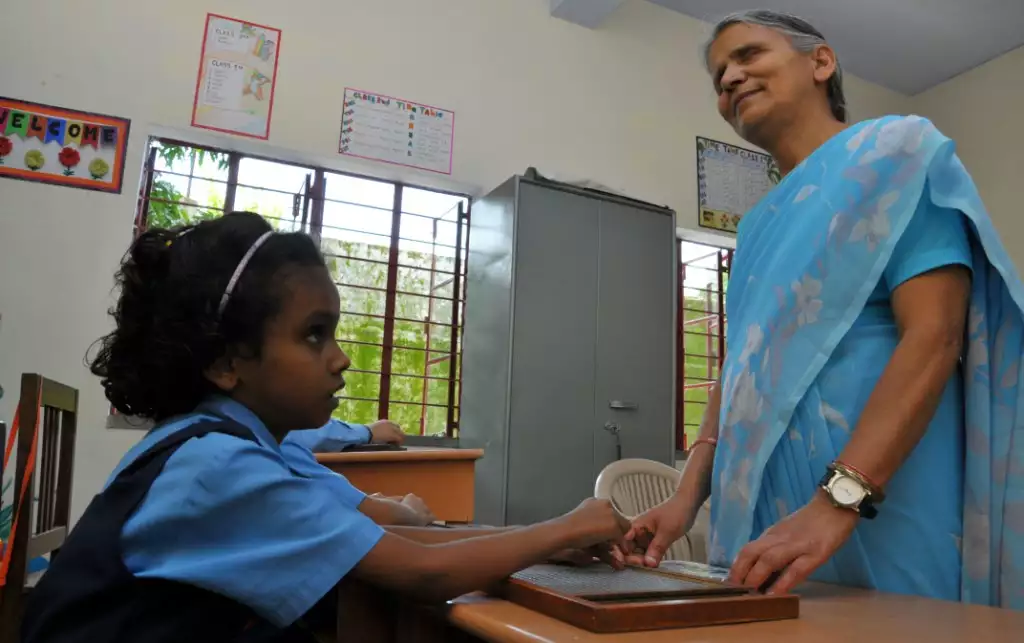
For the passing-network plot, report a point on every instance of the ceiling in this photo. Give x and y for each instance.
(905, 45)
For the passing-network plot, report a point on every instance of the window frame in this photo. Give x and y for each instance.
(721, 246)
(313, 202)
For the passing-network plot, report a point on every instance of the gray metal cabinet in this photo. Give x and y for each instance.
(569, 333)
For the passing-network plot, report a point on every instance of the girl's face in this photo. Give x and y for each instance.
(294, 383)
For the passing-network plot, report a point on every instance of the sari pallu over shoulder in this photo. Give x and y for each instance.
(808, 257)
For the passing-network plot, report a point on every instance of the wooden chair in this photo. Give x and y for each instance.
(3, 447)
(46, 426)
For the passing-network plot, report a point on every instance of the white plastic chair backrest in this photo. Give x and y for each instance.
(635, 485)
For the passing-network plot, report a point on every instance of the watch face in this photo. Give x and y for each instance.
(846, 491)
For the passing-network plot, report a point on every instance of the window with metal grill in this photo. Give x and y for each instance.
(703, 281)
(396, 252)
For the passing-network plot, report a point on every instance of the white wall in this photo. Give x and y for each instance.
(982, 110)
(620, 105)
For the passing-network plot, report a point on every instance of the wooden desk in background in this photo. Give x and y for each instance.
(443, 478)
(827, 614)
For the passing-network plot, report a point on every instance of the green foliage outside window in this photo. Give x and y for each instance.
(697, 360)
(167, 209)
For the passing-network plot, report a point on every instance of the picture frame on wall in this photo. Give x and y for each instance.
(62, 146)
(730, 181)
(237, 77)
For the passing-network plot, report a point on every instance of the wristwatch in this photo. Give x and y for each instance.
(848, 489)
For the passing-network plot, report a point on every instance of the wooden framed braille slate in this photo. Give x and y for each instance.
(600, 599)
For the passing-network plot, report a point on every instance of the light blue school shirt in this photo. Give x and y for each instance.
(258, 522)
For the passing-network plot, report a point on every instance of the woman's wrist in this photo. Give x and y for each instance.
(695, 485)
(821, 501)
(685, 504)
(858, 474)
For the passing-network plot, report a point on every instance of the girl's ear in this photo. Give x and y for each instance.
(223, 374)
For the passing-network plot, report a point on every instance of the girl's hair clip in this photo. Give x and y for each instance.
(180, 235)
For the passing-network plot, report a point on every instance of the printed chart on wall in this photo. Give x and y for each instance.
(237, 77)
(730, 181)
(62, 146)
(392, 130)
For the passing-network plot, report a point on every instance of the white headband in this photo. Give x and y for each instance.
(238, 271)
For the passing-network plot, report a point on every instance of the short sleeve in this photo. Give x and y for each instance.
(230, 516)
(304, 462)
(934, 238)
(330, 438)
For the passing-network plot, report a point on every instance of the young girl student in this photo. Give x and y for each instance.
(214, 526)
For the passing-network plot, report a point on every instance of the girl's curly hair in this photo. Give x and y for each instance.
(168, 332)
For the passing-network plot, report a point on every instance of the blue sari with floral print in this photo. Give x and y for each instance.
(798, 370)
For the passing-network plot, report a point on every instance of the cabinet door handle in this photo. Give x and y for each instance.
(620, 405)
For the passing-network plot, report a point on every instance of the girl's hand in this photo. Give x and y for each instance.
(794, 547)
(420, 508)
(585, 557)
(386, 432)
(596, 522)
(411, 510)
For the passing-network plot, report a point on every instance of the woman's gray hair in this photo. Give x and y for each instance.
(804, 38)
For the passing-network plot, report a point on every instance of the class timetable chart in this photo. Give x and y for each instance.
(397, 131)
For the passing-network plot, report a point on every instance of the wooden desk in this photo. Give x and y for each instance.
(443, 478)
(827, 614)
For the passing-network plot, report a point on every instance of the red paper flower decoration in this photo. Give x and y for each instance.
(69, 158)
(5, 146)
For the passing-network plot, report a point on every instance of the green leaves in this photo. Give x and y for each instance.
(168, 207)
(173, 153)
(364, 264)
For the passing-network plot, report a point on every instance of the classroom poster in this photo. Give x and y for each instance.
(62, 146)
(392, 130)
(730, 181)
(237, 77)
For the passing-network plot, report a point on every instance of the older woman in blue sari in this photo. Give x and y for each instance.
(868, 427)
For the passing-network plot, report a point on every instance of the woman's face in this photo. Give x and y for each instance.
(760, 77)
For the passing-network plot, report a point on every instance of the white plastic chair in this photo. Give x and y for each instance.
(635, 485)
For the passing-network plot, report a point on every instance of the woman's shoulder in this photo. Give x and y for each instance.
(892, 138)
(894, 118)
(890, 125)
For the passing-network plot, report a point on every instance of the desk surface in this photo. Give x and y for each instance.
(411, 454)
(827, 614)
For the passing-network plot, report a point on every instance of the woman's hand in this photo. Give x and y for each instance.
(794, 547)
(654, 531)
